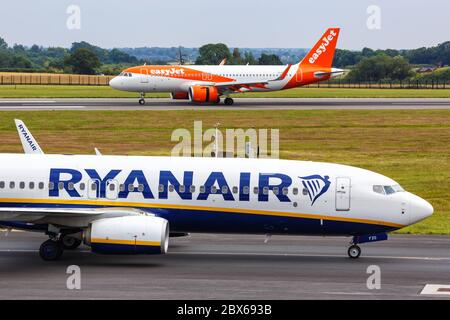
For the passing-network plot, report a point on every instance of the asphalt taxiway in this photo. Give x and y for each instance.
(240, 104)
(231, 267)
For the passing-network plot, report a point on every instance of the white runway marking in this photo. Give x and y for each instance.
(436, 289)
(267, 254)
(420, 103)
(27, 101)
(310, 255)
(40, 107)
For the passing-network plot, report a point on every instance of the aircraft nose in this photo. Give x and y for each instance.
(420, 209)
(114, 83)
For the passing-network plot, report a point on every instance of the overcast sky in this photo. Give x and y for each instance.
(238, 23)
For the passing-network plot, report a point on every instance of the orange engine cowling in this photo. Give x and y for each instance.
(203, 94)
(179, 95)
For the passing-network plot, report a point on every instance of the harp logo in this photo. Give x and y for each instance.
(316, 186)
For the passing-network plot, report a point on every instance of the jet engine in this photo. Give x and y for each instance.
(203, 94)
(179, 95)
(128, 235)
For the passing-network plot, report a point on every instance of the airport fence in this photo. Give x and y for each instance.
(53, 79)
(405, 84)
(101, 80)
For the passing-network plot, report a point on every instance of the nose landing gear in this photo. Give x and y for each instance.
(354, 251)
(142, 99)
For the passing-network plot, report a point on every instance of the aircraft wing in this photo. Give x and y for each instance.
(29, 143)
(249, 85)
(35, 214)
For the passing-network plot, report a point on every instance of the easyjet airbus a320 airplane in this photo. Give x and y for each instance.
(207, 84)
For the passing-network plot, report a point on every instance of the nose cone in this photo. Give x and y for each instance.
(420, 209)
(114, 83)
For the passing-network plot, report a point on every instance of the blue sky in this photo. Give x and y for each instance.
(238, 23)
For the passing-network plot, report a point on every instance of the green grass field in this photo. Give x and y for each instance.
(56, 91)
(410, 146)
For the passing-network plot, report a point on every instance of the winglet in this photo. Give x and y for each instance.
(29, 144)
(323, 52)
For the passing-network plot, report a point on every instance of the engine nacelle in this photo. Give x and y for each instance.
(203, 94)
(179, 95)
(128, 235)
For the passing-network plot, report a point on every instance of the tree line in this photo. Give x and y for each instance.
(85, 58)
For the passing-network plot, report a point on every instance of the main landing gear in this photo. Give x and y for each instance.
(228, 101)
(52, 249)
(142, 99)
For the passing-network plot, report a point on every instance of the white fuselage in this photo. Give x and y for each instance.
(211, 194)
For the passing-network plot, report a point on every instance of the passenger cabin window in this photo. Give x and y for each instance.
(22, 185)
(2, 184)
(31, 185)
(41, 185)
(12, 185)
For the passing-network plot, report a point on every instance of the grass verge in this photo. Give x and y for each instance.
(56, 91)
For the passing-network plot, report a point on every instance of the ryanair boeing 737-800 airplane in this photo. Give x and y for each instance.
(131, 205)
(207, 84)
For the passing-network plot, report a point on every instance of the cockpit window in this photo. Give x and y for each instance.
(378, 189)
(387, 189)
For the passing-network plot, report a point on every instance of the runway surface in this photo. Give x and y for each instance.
(240, 104)
(230, 267)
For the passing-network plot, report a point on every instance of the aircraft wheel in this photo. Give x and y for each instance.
(141, 102)
(228, 101)
(70, 243)
(50, 250)
(354, 251)
(218, 100)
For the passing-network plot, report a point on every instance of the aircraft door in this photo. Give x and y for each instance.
(144, 75)
(112, 189)
(343, 186)
(93, 188)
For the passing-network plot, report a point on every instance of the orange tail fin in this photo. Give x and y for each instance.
(323, 52)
